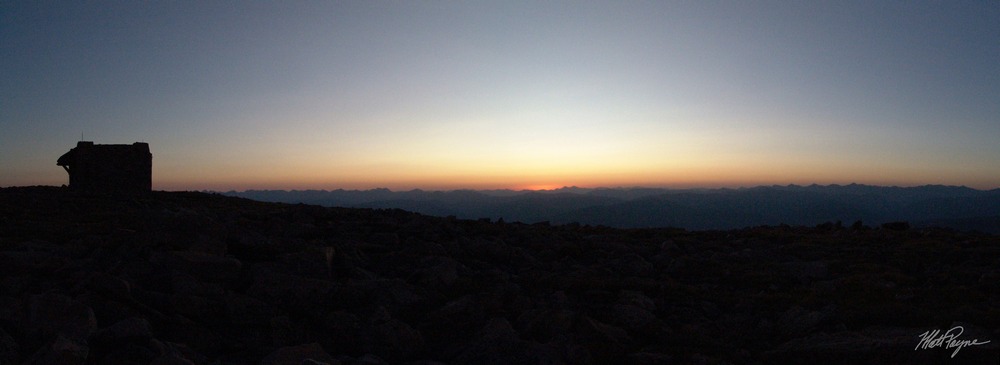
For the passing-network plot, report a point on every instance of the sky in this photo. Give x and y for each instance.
(440, 95)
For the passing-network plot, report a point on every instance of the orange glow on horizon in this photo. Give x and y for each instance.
(677, 175)
(539, 187)
(680, 180)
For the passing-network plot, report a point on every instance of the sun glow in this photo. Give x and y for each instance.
(539, 187)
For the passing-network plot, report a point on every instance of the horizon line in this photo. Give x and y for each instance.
(539, 187)
(575, 187)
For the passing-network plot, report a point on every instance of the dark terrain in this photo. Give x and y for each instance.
(181, 278)
(955, 207)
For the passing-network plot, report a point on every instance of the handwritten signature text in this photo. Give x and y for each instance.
(948, 340)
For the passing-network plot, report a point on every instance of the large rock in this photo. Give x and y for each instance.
(636, 298)
(289, 291)
(50, 315)
(20, 262)
(647, 358)
(203, 266)
(11, 309)
(438, 272)
(243, 310)
(634, 318)
(498, 343)
(61, 351)
(604, 341)
(798, 322)
(545, 325)
(109, 286)
(130, 330)
(184, 330)
(127, 341)
(9, 349)
(310, 353)
(391, 337)
(344, 330)
(171, 359)
(175, 354)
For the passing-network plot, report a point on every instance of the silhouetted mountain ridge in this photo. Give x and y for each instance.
(957, 207)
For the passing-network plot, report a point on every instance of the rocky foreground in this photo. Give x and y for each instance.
(182, 278)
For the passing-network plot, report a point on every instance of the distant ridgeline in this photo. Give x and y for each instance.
(954, 207)
(109, 168)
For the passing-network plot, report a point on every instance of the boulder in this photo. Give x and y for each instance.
(634, 318)
(605, 342)
(636, 298)
(110, 286)
(310, 353)
(498, 343)
(50, 315)
(545, 325)
(240, 310)
(11, 309)
(175, 354)
(131, 330)
(61, 351)
(392, 338)
(203, 266)
(650, 358)
(797, 321)
(289, 291)
(171, 359)
(437, 272)
(127, 353)
(9, 349)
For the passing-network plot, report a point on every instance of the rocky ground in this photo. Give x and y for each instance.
(182, 278)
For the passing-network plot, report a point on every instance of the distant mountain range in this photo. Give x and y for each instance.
(954, 207)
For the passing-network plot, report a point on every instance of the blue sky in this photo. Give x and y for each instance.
(443, 95)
